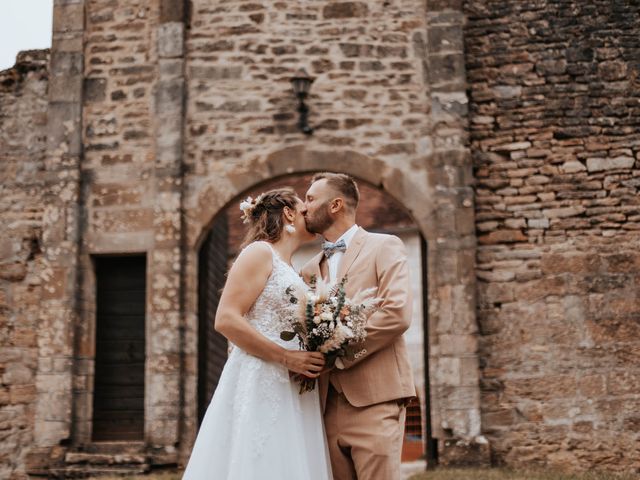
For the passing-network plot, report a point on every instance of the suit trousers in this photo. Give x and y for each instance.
(365, 443)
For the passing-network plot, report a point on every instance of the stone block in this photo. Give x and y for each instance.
(65, 88)
(600, 164)
(512, 147)
(491, 293)
(17, 374)
(507, 91)
(95, 89)
(563, 212)
(38, 458)
(445, 17)
(551, 67)
(13, 271)
(171, 39)
(447, 38)
(572, 166)
(436, 5)
(469, 368)
(538, 223)
(457, 344)
(51, 432)
(446, 69)
(169, 97)
(449, 107)
(171, 11)
(64, 136)
(447, 371)
(503, 417)
(55, 285)
(612, 70)
(22, 394)
(68, 16)
(623, 382)
(66, 65)
(123, 221)
(340, 10)
(592, 386)
(502, 236)
(461, 423)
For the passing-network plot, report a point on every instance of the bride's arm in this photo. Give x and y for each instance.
(246, 280)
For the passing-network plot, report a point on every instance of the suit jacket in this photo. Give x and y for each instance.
(381, 372)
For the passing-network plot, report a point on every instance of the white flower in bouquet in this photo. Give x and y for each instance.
(325, 320)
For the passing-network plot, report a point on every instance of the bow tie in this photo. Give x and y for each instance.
(330, 248)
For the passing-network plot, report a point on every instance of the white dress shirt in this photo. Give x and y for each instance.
(334, 261)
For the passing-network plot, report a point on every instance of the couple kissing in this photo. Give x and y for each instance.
(259, 424)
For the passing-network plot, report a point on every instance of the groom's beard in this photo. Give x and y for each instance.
(320, 221)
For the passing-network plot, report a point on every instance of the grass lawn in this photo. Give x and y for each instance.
(446, 474)
(503, 474)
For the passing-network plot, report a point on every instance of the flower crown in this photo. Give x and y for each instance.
(248, 205)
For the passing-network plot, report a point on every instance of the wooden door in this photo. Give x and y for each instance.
(212, 346)
(118, 399)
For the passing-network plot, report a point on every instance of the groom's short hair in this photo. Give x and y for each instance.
(343, 184)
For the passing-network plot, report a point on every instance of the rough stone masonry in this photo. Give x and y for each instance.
(555, 137)
(509, 129)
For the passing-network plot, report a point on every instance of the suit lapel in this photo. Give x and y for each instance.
(317, 265)
(352, 252)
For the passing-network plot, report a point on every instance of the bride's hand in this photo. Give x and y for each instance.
(309, 364)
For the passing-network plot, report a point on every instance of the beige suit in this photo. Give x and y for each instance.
(364, 402)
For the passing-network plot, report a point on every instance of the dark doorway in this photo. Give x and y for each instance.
(212, 346)
(118, 396)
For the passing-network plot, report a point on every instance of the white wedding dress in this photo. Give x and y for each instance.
(257, 426)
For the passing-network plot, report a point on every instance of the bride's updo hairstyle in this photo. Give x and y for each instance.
(265, 214)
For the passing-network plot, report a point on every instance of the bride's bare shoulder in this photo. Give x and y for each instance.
(256, 254)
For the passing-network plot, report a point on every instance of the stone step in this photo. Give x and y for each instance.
(132, 448)
(88, 471)
(105, 458)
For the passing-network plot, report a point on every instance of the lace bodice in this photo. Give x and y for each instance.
(273, 303)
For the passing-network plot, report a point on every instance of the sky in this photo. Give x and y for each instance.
(24, 25)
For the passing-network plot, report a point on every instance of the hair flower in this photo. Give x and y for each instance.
(248, 205)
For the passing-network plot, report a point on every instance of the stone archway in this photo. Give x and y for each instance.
(410, 188)
(445, 220)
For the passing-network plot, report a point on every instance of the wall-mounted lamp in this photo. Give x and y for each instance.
(301, 83)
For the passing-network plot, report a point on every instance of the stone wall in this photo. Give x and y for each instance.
(132, 170)
(154, 118)
(369, 94)
(555, 136)
(23, 121)
(388, 105)
(120, 73)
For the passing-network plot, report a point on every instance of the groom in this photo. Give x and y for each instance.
(363, 399)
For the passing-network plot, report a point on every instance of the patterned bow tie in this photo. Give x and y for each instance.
(330, 248)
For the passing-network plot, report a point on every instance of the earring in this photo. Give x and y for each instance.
(290, 228)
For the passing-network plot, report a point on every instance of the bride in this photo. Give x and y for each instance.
(257, 425)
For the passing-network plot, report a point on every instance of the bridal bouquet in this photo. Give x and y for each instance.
(325, 320)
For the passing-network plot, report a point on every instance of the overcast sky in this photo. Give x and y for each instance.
(24, 25)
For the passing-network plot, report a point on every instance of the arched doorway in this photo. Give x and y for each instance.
(378, 212)
(212, 347)
(440, 201)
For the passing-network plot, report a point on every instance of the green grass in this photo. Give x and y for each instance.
(503, 474)
(445, 474)
(150, 476)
